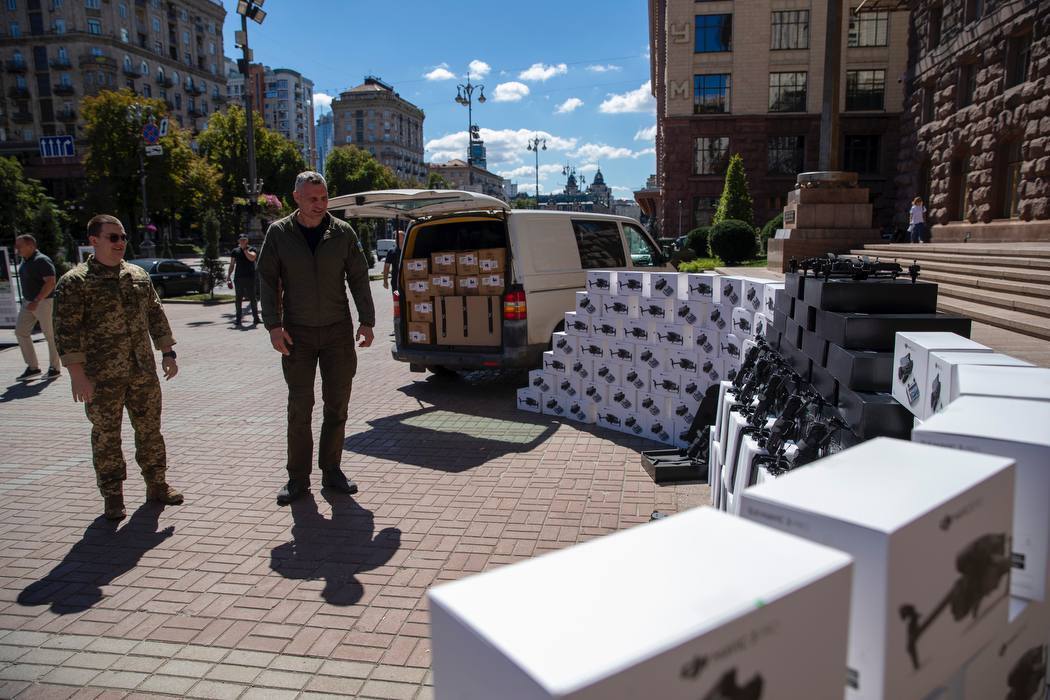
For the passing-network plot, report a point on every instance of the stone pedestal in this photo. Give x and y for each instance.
(826, 213)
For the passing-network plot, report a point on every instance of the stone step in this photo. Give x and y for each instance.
(973, 277)
(1015, 302)
(1029, 250)
(962, 257)
(1017, 321)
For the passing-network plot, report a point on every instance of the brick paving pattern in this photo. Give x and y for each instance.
(231, 596)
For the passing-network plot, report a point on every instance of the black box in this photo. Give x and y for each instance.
(815, 348)
(874, 414)
(784, 303)
(795, 285)
(824, 383)
(780, 321)
(796, 360)
(861, 370)
(793, 334)
(773, 336)
(805, 315)
(877, 296)
(876, 331)
(671, 470)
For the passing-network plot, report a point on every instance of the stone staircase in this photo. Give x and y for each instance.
(1005, 285)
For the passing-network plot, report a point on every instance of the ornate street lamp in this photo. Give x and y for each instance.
(465, 97)
(537, 144)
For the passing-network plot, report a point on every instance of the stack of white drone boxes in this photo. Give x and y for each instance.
(640, 349)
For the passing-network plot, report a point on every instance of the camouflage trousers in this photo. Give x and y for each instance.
(140, 394)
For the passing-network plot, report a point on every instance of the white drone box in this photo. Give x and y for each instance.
(623, 397)
(686, 362)
(728, 291)
(530, 400)
(754, 294)
(911, 361)
(608, 371)
(581, 411)
(667, 384)
(564, 344)
(601, 282)
(637, 377)
(556, 364)
(591, 349)
(1010, 382)
(605, 329)
(552, 405)
(554, 626)
(567, 387)
(720, 319)
(595, 392)
(653, 358)
(928, 529)
(581, 368)
(743, 322)
(610, 417)
(692, 313)
(541, 381)
(622, 352)
(770, 297)
(708, 342)
(666, 285)
(1014, 664)
(577, 324)
(700, 287)
(673, 335)
(587, 304)
(632, 283)
(657, 310)
(633, 425)
(1019, 430)
(659, 429)
(654, 405)
(941, 376)
(638, 330)
(620, 307)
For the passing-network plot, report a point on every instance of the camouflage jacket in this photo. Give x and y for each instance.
(104, 318)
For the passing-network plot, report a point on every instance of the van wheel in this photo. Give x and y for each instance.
(443, 372)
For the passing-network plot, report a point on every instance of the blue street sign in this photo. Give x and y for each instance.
(150, 133)
(57, 147)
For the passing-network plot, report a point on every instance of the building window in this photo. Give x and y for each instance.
(155, 23)
(787, 92)
(60, 26)
(12, 4)
(96, 51)
(1009, 157)
(869, 29)
(14, 30)
(790, 30)
(786, 154)
(124, 35)
(862, 153)
(935, 21)
(122, 10)
(1018, 59)
(711, 93)
(147, 91)
(63, 55)
(598, 242)
(974, 10)
(711, 155)
(865, 89)
(928, 92)
(94, 26)
(704, 210)
(959, 188)
(967, 84)
(93, 4)
(714, 33)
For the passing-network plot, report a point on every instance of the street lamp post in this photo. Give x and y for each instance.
(465, 97)
(249, 9)
(679, 218)
(138, 117)
(537, 144)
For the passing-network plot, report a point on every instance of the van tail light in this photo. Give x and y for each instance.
(397, 306)
(514, 306)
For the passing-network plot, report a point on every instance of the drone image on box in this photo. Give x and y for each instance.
(1027, 679)
(727, 688)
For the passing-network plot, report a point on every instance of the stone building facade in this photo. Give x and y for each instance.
(747, 78)
(470, 178)
(283, 97)
(976, 126)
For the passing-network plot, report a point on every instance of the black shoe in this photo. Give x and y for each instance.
(335, 479)
(54, 373)
(256, 321)
(28, 374)
(291, 491)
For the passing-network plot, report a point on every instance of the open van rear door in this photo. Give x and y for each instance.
(412, 204)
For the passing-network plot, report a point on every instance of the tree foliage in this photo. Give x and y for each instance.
(46, 228)
(436, 182)
(210, 261)
(734, 241)
(697, 241)
(523, 203)
(350, 169)
(20, 198)
(735, 202)
(770, 230)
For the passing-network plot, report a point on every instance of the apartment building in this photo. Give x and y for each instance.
(284, 98)
(747, 77)
(325, 132)
(55, 52)
(372, 116)
(470, 178)
(976, 127)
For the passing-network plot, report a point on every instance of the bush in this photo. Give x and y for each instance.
(684, 255)
(770, 230)
(735, 202)
(183, 248)
(696, 266)
(733, 241)
(697, 240)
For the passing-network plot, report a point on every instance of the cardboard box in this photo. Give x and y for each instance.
(620, 307)
(622, 352)
(943, 370)
(657, 310)
(700, 287)
(577, 324)
(872, 296)
(743, 318)
(667, 384)
(467, 285)
(582, 411)
(666, 285)
(636, 330)
(861, 370)
(685, 362)
(608, 371)
(592, 348)
(633, 425)
(874, 414)
(564, 344)
(467, 263)
(660, 429)
(553, 405)
(718, 320)
(416, 269)
(420, 333)
(674, 335)
(443, 263)
(769, 297)
(542, 381)
(492, 284)
(728, 291)
(653, 359)
(581, 368)
(567, 387)
(713, 368)
(443, 285)
(754, 294)
(623, 397)
(471, 321)
(637, 378)
(606, 329)
(1018, 430)
(632, 283)
(421, 311)
(1012, 382)
(653, 405)
(726, 643)
(418, 290)
(691, 313)
(732, 349)
(595, 391)
(587, 304)
(609, 417)
(911, 359)
(1014, 664)
(554, 364)
(492, 261)
(601, 282)
(530, 400)
(877, 331)
(707, 341)
(928, 530)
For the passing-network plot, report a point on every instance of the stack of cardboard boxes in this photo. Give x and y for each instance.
(640, 349)
(455, 298)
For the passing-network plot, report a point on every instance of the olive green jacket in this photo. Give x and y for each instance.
(105, 318)
(309, 289)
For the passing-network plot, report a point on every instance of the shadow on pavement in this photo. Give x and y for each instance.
(101, 555)
(24, 390)
(334, 550)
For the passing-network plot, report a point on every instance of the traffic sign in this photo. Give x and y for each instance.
(57, 147)
(164, 126)
(150, 133)
(154, 150)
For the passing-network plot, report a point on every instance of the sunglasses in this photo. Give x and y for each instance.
(114, 237)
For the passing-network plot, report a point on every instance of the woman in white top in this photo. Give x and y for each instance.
(917, 221)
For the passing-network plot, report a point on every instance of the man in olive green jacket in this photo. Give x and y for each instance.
(304, 266)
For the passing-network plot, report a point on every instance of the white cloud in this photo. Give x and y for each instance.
(510, 92)
(603, 68)
(640, 100)
(569, 105)
(440, 72)
(621, 188)
(322, 103)
(646, 134)
(587, 168)
(529, 171)
(479, 69)
(539, 71)
(601, 151)
(644, 152)
(506, 148)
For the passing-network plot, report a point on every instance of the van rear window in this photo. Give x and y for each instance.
(599, 244)
(459, 235)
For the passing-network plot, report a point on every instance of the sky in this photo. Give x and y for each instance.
(574, 73)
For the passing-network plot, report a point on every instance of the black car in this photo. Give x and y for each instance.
(172, 278)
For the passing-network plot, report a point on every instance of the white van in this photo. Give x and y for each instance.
(384, 246)
(547, 255)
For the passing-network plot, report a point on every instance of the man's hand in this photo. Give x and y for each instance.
(281, 341)
(33, 305)
(83, 387)
(386, 285)
(365, 335)
(170, 367)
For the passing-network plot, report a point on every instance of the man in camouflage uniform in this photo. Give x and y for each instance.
(106, 311)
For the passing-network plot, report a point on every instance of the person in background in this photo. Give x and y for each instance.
(917, 221)
(390, 269)
(37, 275)
(242, 269)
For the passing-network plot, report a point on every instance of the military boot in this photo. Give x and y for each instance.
(163, 493)
(115, 507)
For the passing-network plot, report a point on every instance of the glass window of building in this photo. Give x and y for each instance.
(865, 89)
(936, 18)
(714, 33)
(711, 93)
(14, 30)
(155, 24)
(862, 153)
(1010, 156)
(1018, 59)
(124, 35)
(711, 155)
(790, 30)
(94, 26)
(122, 10)
(869, 28)
(12, 4)
(974, 10)
(928, 92)
(93, 4)
(787, 92)
(786, 154)
(967, 84)
(60, 26)
(704, 210)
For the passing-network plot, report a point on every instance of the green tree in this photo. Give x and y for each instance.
(436, 182)
(735, 202)
(350, 169)
(734, 241)
(210, 262)
(770, 230)
(46, 228)
(523, 203)
(20, 198)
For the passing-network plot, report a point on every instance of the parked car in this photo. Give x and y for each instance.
(172, 278)
(384, 246)
(547, 256)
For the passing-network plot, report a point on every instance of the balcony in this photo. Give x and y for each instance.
(132, 72)
(16, 66)
(166, 82)
(88, 60)
(61, 63)
(64, 90)
(194, 90)
(66, 115)
(195, 113)
(22, 118)
(18, 92)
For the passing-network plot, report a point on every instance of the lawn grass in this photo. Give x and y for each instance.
(711, 263)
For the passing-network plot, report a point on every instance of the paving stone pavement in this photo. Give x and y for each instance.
(231, 596)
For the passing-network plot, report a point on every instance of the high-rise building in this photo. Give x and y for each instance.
(284, 98)
(747, 78)
(373, 117)
(325, 132)
(55, 53)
